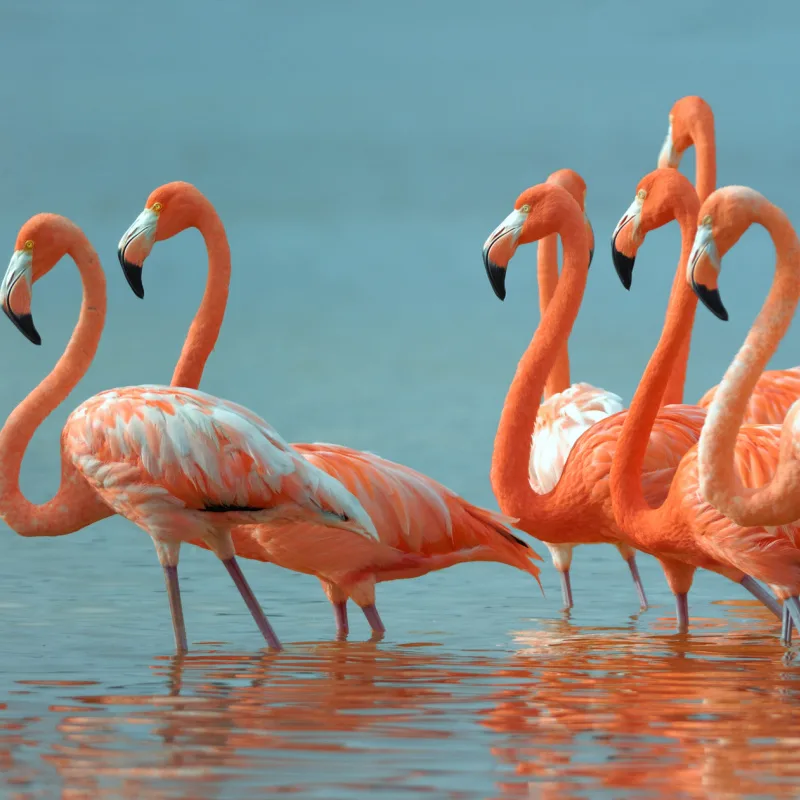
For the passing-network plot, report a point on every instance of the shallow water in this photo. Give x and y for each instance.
(359, 155)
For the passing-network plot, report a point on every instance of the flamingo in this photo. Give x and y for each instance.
(568, 409)
(691, 121)
(579, 506)
(682, 530)
(179, 463)
(421, 525)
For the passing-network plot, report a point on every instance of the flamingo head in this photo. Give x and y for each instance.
(576, 186)
(41, 243)
(684, 116)
(726, 214)
(538, 212)
(660, 196)
(170, 209)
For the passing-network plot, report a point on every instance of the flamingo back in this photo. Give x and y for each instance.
(771, 399)
(154, 450)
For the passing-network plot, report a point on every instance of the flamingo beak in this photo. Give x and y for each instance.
(702, 271)
(627, 228)
(16, 294)
(669, 156)
(499, 248)
(134, 247)
(590, 234)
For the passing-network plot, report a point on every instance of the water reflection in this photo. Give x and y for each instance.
(567, 712)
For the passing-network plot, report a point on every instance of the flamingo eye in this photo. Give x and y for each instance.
(29, 244)
(641, 194)
(525, 209)
(156, 207)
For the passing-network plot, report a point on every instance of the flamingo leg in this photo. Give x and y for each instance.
(566, 589)
(682, 611)
(374, 618)
(175, 606)
(794, 612)
(786, 626)
(235, 571)
(340, 615)
(762, 595)
(637, 581)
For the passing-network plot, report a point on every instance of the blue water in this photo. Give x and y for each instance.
(359, 155)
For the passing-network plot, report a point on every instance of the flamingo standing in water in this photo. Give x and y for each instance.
(568, 409)
(682, 530)
(421, 525)
(578, 508)
(691, 122)
(179, 463)
(772, 499)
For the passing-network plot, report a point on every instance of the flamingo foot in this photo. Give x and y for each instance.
(682, 610)
(235, 571)
(786, 626)
(340, 615)
(637, 582)
(792, 604)
(566, 590)
(374, 618)
(763, 596)
(175, 607)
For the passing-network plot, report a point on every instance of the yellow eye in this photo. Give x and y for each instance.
(525, 209)
(707, 220)
(156, 207)
(29, 244)
(641, 194)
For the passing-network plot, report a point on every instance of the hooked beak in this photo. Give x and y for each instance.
(703, 269)
(627, 229)
(134, 247)
(669, 156)
(15, 294)
(500, 247)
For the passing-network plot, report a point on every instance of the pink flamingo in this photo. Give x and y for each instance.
(421, 525)
(580, 503)
(567, 410)
(691, 122)
(682, 530)
(181, 464)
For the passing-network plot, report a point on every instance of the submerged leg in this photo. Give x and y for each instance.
(786, 626)
(794, 612)
(637, 581)
(234, 570)
(682, 611)
(762, 595)
(562, 561)
(340, 615)
(374, 618)
(168, 553)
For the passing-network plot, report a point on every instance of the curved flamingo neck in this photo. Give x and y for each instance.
(547, 277)
(75, 504)
(207, 323)
(512, 446)
(719, 482)
(627, 494)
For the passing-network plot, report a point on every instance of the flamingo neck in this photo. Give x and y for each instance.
(706, 157)
(207, 323)
(547, 277)
(719, 482)
(512, 447)
(626, 469)
(75, 504)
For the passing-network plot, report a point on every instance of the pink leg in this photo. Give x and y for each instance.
(637, 581)
(373, 618)
(175, 607)
(761, 594)
(234, 570)
(682, 609)
(340, 615)
(566, 589)
(786, 626)
(792, 604)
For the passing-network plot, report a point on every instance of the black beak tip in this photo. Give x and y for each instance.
(497, 277)
(623, 265)
(591, 255)
(133, 274)
(711, 300)
(24, 323)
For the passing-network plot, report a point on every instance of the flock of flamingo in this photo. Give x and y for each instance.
(714, 485)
